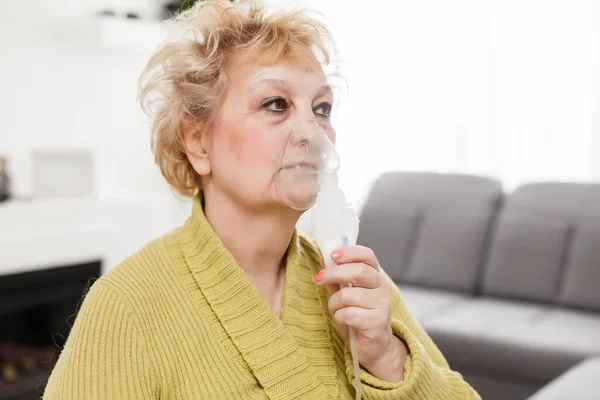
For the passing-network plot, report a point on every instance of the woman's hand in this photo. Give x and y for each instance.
(365, 306)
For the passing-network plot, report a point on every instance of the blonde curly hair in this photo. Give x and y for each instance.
(185, 79)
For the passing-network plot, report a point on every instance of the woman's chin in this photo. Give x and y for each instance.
(298, 191)
(302, 198)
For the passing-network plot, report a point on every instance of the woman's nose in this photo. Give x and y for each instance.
(309, 138)
(304, 112)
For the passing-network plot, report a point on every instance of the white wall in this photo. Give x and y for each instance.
(63, 89)
(503, 88)
(506, 88)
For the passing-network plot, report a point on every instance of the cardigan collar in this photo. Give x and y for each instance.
(276, 350)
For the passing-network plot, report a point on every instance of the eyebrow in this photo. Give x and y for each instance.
(324, 89)
(285, 85)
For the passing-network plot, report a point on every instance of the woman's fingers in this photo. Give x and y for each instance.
(331, 288)
(355, 274)
(354, 297)
(362, 319)
(365, 305)
(355, 254)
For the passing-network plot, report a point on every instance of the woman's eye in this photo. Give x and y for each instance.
(323, 109)
(276, 106)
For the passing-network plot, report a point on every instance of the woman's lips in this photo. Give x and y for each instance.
(302, 164)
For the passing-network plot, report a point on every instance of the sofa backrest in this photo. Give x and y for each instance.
(430, 229)
(546, 245)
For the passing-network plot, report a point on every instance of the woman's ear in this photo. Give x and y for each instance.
(195, 144)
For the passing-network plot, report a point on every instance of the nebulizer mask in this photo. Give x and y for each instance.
(307, 177)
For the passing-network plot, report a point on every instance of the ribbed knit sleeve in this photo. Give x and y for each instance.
(427, 375)
(105, 356)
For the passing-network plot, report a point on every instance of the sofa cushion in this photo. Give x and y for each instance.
(449, 247)
(429, 229)
(428, 188)
(424, 302)
(580, 382)
(572, 199)
(389, 231)
(511, 338)
(578, 332)
(526, 255)
(581, 287)
(498, 387)
(540, 239)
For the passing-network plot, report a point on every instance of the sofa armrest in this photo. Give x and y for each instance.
(582, 382)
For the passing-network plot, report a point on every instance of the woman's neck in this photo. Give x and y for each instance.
(258, 241)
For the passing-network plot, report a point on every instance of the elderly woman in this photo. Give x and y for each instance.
(234, 304)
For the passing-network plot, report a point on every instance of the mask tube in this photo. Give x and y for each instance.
(307, 172)
(335, 225)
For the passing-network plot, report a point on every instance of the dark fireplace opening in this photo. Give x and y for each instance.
(37, 310)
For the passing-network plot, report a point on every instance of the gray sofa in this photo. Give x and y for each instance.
(507, 285)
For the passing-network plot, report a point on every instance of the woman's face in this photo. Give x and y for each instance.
(253, 125)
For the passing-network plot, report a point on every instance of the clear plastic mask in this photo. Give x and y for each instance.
(308, 153)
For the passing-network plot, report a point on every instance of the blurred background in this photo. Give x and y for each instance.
(503, 89)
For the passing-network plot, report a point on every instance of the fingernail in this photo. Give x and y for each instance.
(336, 255)
(318, 277)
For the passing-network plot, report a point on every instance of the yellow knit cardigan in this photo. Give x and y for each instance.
(180, 320)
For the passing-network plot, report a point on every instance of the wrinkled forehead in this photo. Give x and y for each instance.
(297, 72)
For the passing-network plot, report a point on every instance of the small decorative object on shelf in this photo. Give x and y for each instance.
(185, 4)
(4, 180)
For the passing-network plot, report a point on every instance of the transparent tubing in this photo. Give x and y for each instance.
(335, 225)
(353, 351)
